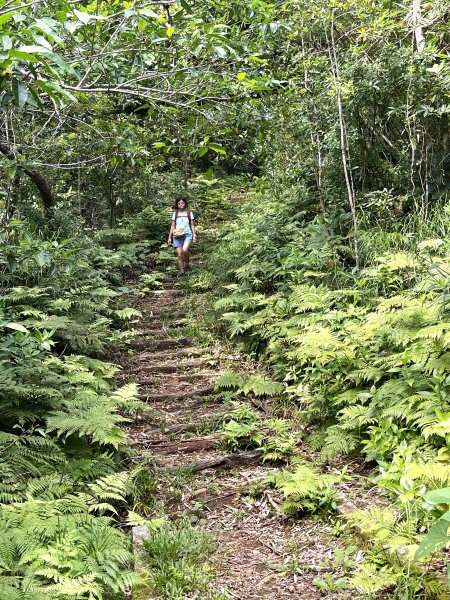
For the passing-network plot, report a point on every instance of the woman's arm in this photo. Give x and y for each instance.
(172, 227)
(192, 224)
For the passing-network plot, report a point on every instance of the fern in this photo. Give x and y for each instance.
(305, 489)
(228, 380)
(89, 416)
(128, 313)
(61, 551)
(259, 386)
(338, 441)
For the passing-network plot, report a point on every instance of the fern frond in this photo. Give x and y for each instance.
(259, 386)
(337, 442)
(228, 380)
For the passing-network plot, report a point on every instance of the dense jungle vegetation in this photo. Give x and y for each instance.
(325, 126)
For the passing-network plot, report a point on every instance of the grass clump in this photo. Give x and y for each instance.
(178, 557)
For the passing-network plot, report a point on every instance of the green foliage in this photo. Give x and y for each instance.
(275, 438)
(56, 547)
(305, 489)
(392, 545)
(60, 431)
(177, 555)
(253, 385)
(150, 281)
(437, 537)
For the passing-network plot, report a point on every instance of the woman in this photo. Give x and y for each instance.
(182, 219)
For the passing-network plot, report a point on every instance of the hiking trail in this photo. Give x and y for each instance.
(261, 553)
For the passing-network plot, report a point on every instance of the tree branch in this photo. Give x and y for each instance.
(48, 200)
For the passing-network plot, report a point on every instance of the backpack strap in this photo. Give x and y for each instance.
(190, 219)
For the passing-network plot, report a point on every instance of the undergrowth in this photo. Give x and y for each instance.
(63, 490)
(178, 557)
(360, 357)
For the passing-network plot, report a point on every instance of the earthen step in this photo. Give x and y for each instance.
(152, 344)
(209, 419)
(169, 380)
(162, 325)
(155, 333)
(170, 367)
(192, 406)
(169, 291)
(192, 445)
(176, 395)
(190, 351)
(161, 311)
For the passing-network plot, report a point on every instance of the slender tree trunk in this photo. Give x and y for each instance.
(315, 140)
(79, 190)
(111, 202)
(319, 176)
(416, 21)
(345, 154)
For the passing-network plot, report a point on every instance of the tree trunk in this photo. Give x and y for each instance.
(48, 200)
(416, 22)
(111, 202)
(345, 154)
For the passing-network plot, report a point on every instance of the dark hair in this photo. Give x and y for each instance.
(177, 199)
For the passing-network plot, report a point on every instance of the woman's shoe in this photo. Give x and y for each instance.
(186, 270)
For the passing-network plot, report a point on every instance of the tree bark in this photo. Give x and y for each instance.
(416, 21)
(48, 200)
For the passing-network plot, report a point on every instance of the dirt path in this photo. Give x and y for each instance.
(261, 553)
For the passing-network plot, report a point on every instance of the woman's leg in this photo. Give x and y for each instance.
(186, 246)
(180, 254)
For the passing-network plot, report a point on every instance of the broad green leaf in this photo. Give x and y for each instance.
(82, 16)
(62, 91)
(186, 6)
(20, 92)
(6, 42)
(57, 59)
(217, 148)
(159, 145)
(47, 89)
(23, 56)
(35, 49)
(4, 18)
(220, 51)
(16, 327)
(441, 496)
(148, 12)
(40, 39)
(169, 31)
(241, 76)
(33, 97)
(435, 539)
(41, 258)
(45, 27)
(203, 151)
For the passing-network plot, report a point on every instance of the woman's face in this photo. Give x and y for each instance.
(181, 204)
